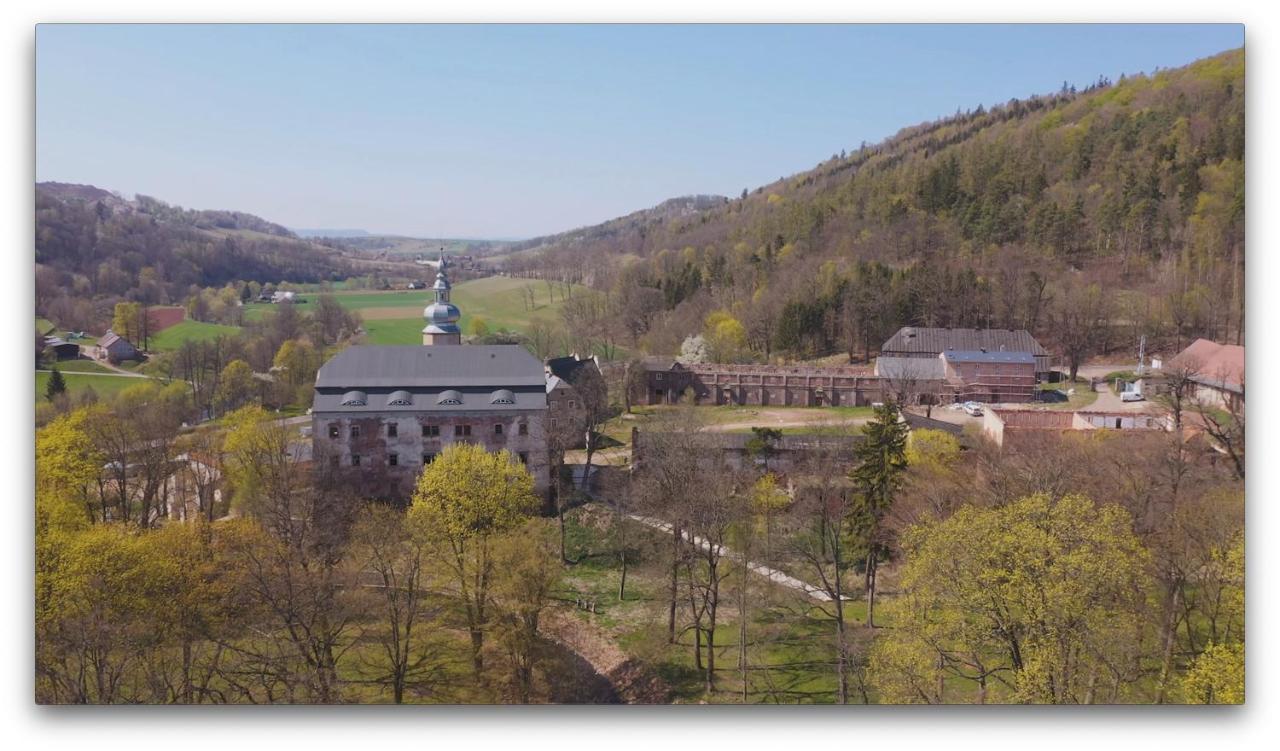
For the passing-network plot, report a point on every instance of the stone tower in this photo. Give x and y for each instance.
(442, 316)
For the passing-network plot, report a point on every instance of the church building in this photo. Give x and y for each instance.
(381, 413)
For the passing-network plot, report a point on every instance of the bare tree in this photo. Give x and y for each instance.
(1081, 320)
(392, 559)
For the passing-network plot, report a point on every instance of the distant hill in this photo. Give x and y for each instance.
(331, 233)
(985, 218)
(94, 245)
(399, 246)
(622, 228)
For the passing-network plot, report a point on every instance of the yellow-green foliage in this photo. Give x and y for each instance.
(932, 449)
(468, 492)
(1036, 599)
(68, 462)
(726, 336)
(1216, 676)
(255, 450)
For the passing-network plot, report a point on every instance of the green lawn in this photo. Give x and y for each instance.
(173, 337)
(104, 385)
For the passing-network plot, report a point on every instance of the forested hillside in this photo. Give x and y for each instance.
(1090, 217)
(94, 247)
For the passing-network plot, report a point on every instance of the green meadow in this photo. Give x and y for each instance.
(395, 316)
(173, 337)
(104, 385)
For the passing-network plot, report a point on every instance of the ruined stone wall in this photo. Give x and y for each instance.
(762, 385)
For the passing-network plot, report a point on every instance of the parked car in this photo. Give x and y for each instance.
(1132, 396)
(973, 409)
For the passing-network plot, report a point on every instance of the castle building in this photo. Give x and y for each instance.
(382, 413)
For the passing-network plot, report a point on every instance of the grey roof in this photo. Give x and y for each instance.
(570, 366)
(414, 368)
(962, 355)
(426, 400)
(913, 339)
(552, 382)
(918, 368)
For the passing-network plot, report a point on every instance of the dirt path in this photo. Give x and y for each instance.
(772, 574)
(631, 679)
(91, 351)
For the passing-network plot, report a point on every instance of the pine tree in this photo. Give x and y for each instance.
(56, 387)
(881, 460)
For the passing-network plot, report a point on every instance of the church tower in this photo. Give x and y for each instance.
(442, 316)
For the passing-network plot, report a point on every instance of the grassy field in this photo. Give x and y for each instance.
(173, 337)
(395, 316)
(79, 366)
(104, 385)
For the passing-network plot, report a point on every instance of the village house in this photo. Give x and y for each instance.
(117, 349)
(1216, 369)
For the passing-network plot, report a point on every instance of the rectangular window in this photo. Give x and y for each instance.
(430, 431)
(355, 431)
(393, 460)
(333, 431)
(572, 404)
(461, 430)
(524, 428)
(657, 376)
(355, 460)
(524, 457)
(554, 422)
(497, 429)
(393, 430)
(428, 458)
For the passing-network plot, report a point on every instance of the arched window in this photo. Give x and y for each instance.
(400, 399)
(354, 399)
(450, 397)
(502, 396)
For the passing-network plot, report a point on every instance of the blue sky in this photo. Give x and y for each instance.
(515, 131)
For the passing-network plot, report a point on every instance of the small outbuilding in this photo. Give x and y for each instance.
(118, 349)
(62, 349)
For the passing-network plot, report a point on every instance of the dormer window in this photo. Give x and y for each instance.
(400, 399)
(502, 396)
(355, 399)
(450, 397)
